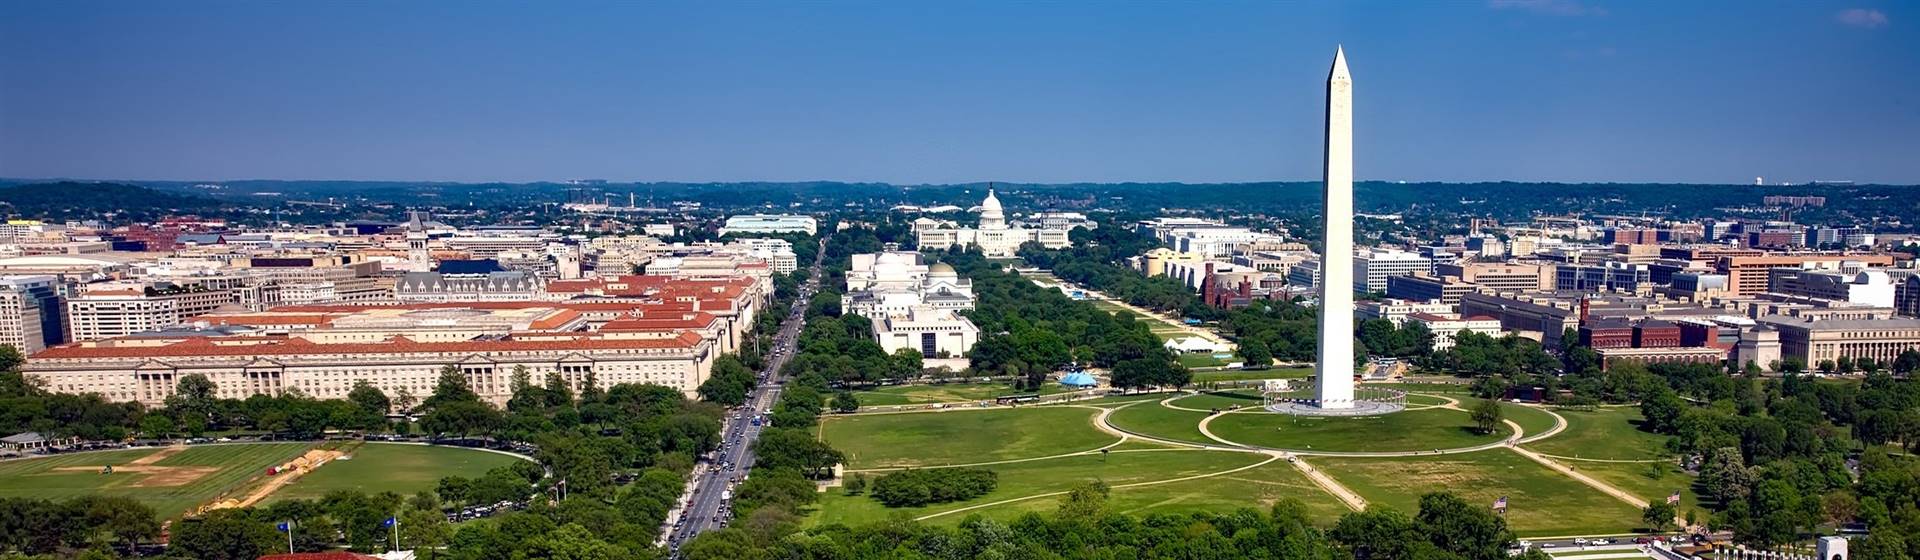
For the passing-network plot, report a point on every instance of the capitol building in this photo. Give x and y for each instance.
(994, 237)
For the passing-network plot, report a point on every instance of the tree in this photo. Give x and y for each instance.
(1658, 516)
(226, 534)
(1085, 503)
(844, 402)
(1907, 362)
(369, 398)
(558, 393)
(119, 518)
(157, 425)
(1255, 355)
(424, 529)
(795, 448)
(451, 387)
(1662, 410)
(729, 382)
(1469, 530)
(461, 417)
(404, 400)
(1487, 416)
(1379, 533)
(195, 396)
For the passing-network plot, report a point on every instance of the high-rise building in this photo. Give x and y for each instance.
(31, 314)
(1371, 268)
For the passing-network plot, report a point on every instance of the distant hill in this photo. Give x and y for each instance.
(70, 199)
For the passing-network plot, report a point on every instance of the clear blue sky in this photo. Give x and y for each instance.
(911, 92)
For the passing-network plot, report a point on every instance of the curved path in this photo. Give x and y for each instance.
(1102, 421)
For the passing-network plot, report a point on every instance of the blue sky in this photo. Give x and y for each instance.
(912, 92)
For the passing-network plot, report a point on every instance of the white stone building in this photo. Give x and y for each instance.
(994, 237)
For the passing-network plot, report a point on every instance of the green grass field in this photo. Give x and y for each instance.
(221, 468)
(1540, 501)
(1050, 475)
(1149, 418)
(1604, 433)
(392, 467)
(961, 436)
(1532, 420)
(1251, 375)
(1240, 398)
(1412, 430)
(939, 393)
(1258, 488)
(1632, 477)
(1117, 400)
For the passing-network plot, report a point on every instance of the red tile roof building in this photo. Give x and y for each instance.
(626, 329)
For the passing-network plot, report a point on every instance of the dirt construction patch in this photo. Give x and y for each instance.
(156, 476)
(285, 475)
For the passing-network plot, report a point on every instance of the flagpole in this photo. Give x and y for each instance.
(289, 536)
(396, 531)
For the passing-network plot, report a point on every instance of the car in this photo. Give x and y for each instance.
(1525, 544)
(1582, 541)
(1546, 545)
(1600, 542)
(1643, 540)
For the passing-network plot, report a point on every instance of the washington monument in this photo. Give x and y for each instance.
(1334, 370)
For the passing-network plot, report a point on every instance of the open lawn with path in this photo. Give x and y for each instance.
(1258, 488)
(1412, 430)
(1633, 478)
(1540, 501)
(392, 467)
(1611, 433)
(176, 482)
(1056, 475)
(922, 439)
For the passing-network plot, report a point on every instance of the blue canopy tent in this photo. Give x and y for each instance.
(1078, 379)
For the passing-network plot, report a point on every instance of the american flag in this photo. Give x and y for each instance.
(1500, 504)
(1674, 499)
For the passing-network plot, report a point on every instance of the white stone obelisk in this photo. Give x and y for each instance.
(1334, 370)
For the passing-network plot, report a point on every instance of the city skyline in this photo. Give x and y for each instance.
(1556, 91)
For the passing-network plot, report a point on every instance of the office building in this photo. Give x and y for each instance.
(770, 223)
(1371, 268)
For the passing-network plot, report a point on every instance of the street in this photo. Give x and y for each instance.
(711, 504)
